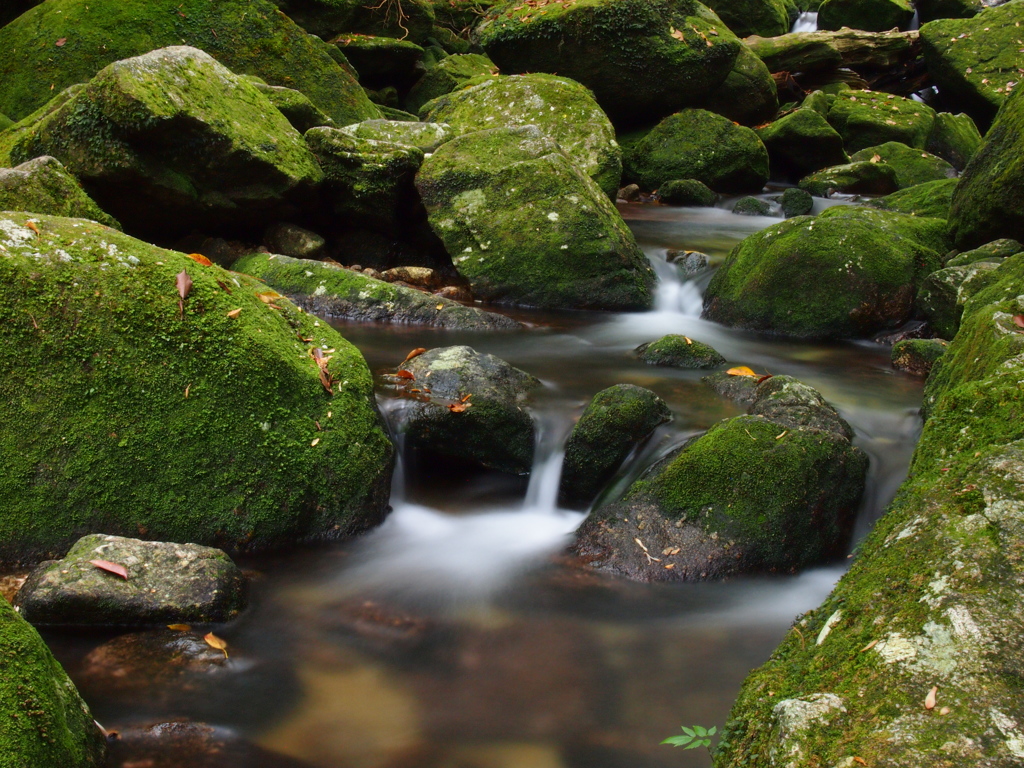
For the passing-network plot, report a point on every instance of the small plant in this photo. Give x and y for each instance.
(691, 738)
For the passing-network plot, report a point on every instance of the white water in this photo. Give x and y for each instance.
(806, 22)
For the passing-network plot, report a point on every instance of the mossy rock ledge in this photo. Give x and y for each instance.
(207, 423)
(934, 599)
(772, 490)
(43, 185)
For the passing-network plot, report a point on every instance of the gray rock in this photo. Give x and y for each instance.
(688, 263)
(424, 136)
(166, 583)
(292, 240)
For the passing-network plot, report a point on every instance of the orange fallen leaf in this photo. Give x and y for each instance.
(1018, 321)
(869, 646)
(109, 567)
(741, 370)
(198, 258)
(215, 642)
(405, 375)
(929, 700)
(688, 339)
(439, 307)
(32, 225)
(224, 286)
(860, 761)
(60, 42)
(315, 441)
(415, 353)
(180, 627)
(459, 407)
(466, 397)
(268, 297)
(235, 313)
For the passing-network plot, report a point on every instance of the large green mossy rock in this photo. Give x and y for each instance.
(860, 178)
(382, 61)
(974, 62)
(526, 226)
(561, 108)
(988, 203)
(171, 140)
(248, 36)
(126, 414)
(931, 199)
(678, 351)
(43, 185)
(868, 118)
(917, 356)
(327, 289)
(302, 113)
(748, 95)
(408, 19)
(944, 292)
(911, 166)
(697, 144)
(767, 18)
(868, 15)
(772, 490)
(616, 421)
(446, 76)
(643, 59)
(994, 252)
(933, 597)
(954, 138)
(847, 273)
(802, 142)
(43, 721)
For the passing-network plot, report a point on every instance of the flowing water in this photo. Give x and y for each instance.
(807, 21)
(454, 635)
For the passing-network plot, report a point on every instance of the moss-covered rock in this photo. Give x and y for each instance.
(868, 118)
(247, 36)
(931, 199)
(679, 351)
(974, 62)
(475, 410)
(424, 136)
(748, 95)
(941, 297)
(869, 15)
(166, 583)
(954, 138)
(615, 422)
(796, 52)
(44, 185)
(767, 18)
(327, 289)
(118, 404)
(912, 166)
(866, 265)
(643, 59)
(862, 178)
(930, 10)
(302, 113)
(796, 202)
(561, 108)
(988, 203)
(994, 252)
(448, 75)
(292, 240)
(686, 192)
(410, 19)
(43, 721)
(382, 60)
(772, 490)
(5, 122)
(752, 206)
(525, 225)
(697, 144)
(171, 140)
(800, 143)
(917, 356)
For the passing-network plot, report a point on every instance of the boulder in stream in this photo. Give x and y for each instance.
(796, 202)
(449, 74)
(943, 293)
(954, 138)
(911, 166)
(800, 143)
(678, 351)
(917, 356)
(868, 118)
(861, 178)
(995, 252)
(686, 192)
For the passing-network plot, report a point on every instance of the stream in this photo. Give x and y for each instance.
(454, 635)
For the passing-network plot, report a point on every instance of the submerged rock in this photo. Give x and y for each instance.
(166, 583)
(678, 351)
(43, 185)
(773, 490)
(752, 206)
(616, 421)
(198, 745)
(917, 356)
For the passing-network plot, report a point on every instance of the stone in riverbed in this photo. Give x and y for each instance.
(752, 206)
(43, 185)
(615, 422)
(995, 252)
(767, 18)
(868, 118)
(917, 356)
(861, 178)
(931, 199)
(800, 143)
(796, 202)
(954, 138)
(677, 351)
(302, 113)
(685, 192)
(748, 95)
(448, 75)
(942, 295)
(167, 583)
(197, 745)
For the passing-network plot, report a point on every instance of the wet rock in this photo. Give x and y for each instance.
(420, 277)
(800, 143)
(942, 295)
(616, 421)
(917, 356)
(740, 389)
(687, 263)
(197, 745)
(685, 192)
(874, 259)
(796, 202)
(475, 409)
(328, 289)
(772, 490)
(451, 73)
(424, 136)
(43, 185)
(111, 420)
(166, 583)
(629, 193)
(696, 144)
(752, 206)
(868, 15)
(748, 95)
(911, 166)
(954, 138)
(861, 178)
(931, 199)
(994, 252)
(869, 118)
(525, 225)
(678, 351)
(292, 240)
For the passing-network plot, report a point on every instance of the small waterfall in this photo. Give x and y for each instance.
(673, 294)
(915, 23)
(806, 22)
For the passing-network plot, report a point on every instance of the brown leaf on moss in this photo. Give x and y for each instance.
(109, 567)
(198, 258)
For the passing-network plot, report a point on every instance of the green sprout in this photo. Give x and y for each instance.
(691, 738)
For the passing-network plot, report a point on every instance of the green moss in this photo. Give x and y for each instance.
(411, 19)
(942, 295)
(796, 202)
(679, 352)
(296, 107)
(869, 15)
(917, 356)
(748, 94)
(450, 74)
(44, 186)
(931, 199)
(686, 192)
(954, 138)
(247, 36)
(98, 433)
(862, 178)
(911, 166)
(800, 143)
(752, 206)
(868, 118)
(767, 18)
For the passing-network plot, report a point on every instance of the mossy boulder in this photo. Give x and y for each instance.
(412, 19)
(752, 206)
(679, 351)
(43, 185)
(994, 252)
(942, 295)
(424, 136)
(43, 721)
(166, 583)
(448, 75)
(525, 225)
(954, 138)
(292, 240)
(748, 95)
(796, 202)
(796, 52)
(616, 421)
(772, 490)
(989, 200)
(171, 140)
(643, 59)
(869, 15)
(475, 411)
(302, 113)
(917, 356)
(866, 265)
(118, 403)
(327, 289)
(247, 36)
(561, 108)
(931, 199)
(5, 122)
(382, 61)
(697, 144)
(975, 61)
(687, 192)
(912, 166)
(868, 118)
(767, 18)
(800, 143)
(861, 178)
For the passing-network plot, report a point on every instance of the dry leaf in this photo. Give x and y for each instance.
(688, 339)
(187, 388)
(235, 313)
(466, 397)
(32, 225)
(929, 700)
(415, 353)
(860, 761)
(869, 646)
(268, 297)
(876, 158)
(741, 370)
(60, 42)
(109, 567)
(184, 283)
(1018, 320)
(198, 258)
(439, 307)
(315, 441)
(180, 627)
(405, 375)
(215, 642)
(224, 287)
(677, 34)
(459, 407)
